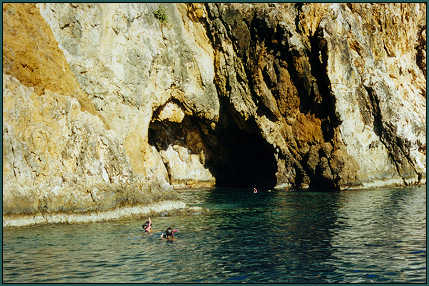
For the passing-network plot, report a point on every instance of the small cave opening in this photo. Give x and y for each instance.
(245, 159)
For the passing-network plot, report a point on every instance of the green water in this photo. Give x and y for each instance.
(358, 236)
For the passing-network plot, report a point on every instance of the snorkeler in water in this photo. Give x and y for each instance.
(169, 234)
(147, 226)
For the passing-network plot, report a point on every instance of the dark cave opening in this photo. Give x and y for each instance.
(234, 151)
(244, 160)
(236, 158)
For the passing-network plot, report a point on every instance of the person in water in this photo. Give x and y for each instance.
(169, 234)
(255, 191)
(147, 226)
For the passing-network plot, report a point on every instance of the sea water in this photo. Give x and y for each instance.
(362, 236)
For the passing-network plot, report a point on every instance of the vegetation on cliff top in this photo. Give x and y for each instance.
(161, 15)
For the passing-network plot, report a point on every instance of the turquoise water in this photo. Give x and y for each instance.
(357, 236)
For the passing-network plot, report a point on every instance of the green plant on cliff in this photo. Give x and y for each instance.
(161, 15)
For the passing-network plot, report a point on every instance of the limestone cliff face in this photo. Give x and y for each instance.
(337, 90)
(108, 104)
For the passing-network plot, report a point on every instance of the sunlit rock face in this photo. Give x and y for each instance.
(108, 104)
(338, 90)
(380, 88)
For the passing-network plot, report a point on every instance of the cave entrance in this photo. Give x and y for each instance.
(237, 157)
(245, 160)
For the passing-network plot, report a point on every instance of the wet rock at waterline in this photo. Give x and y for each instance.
(108, 105)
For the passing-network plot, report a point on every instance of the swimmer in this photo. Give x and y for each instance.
(147, 226)
(255, 191)
(169, 234)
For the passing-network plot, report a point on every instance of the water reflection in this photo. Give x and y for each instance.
(296, 235)
(383, 228)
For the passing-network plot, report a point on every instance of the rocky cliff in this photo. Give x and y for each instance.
(109, 105)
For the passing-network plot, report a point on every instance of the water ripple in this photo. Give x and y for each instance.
(353, 237)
